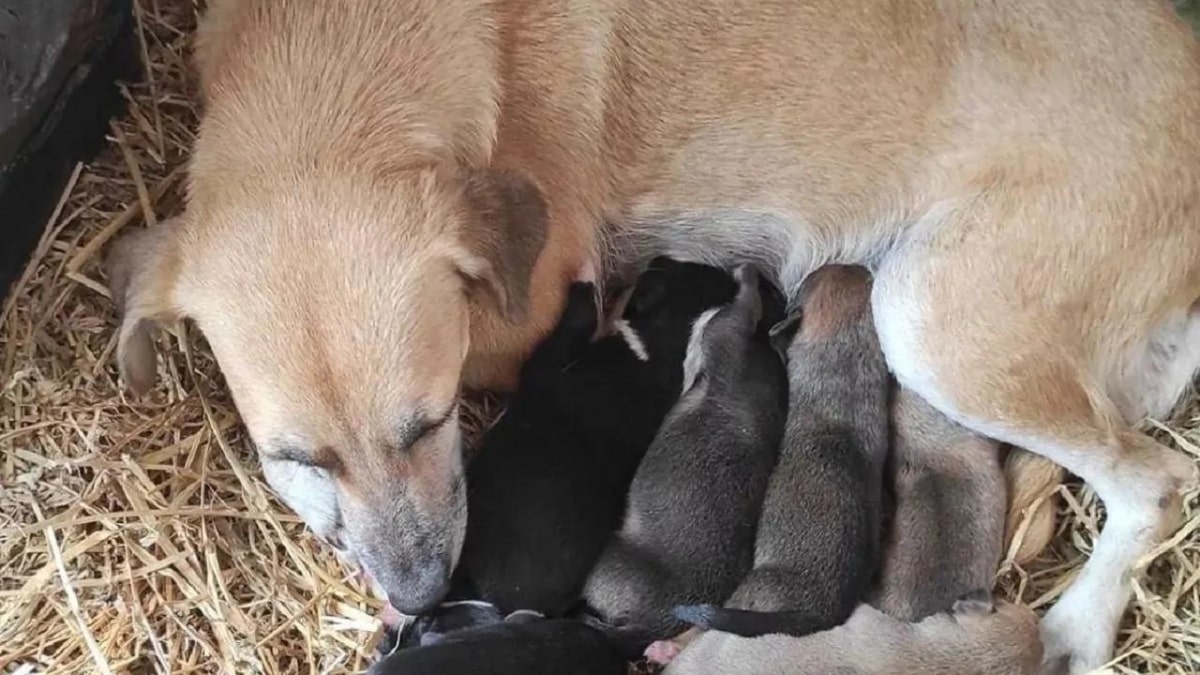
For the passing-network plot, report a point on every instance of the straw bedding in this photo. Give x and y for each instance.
(137, 536)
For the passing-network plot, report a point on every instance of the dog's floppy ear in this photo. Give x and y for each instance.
(142, 268)
(503, 237)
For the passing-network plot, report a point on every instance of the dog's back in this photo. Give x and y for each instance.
(973, 639)
(818, 537)
(690, 526)
(548, 486)
(946, 537)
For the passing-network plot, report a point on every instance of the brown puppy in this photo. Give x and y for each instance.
(973, 640)
(388, 198)
(946, 537)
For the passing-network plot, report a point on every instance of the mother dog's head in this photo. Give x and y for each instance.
(339, 310)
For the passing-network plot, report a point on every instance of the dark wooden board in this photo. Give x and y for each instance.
(60, 61)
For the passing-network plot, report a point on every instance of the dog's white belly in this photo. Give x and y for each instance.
(786, 246)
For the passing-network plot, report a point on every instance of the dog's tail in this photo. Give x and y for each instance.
(1032, 482)
(747, 623)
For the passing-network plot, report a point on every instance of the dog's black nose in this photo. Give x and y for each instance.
(406, 601)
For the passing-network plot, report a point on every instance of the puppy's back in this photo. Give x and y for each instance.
(946, 537)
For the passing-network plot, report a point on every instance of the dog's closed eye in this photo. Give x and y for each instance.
(323, 458)
(422, 426)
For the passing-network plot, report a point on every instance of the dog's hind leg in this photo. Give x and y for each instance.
(1009, 328)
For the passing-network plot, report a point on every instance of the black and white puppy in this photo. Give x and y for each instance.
(548, 486)
(818, 540)
(689, 530)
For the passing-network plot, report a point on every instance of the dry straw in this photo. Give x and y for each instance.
(137, 536)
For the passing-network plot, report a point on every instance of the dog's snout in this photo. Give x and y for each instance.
(420, 593)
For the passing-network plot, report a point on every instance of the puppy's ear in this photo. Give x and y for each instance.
(749, 299)
(504, 234)
(774, 304)
(782, 333)
(142, 268)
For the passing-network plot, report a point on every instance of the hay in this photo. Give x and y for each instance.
(138, 536)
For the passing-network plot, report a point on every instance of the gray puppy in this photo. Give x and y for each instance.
(947, 535)
(817, 549)
(689, 529)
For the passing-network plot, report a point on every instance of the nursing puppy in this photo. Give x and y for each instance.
(432, 626)
(972, 639)
(549, 484)
(689, 529)
(387, 200)
(946, 537)
(817, 546)
(520, 645)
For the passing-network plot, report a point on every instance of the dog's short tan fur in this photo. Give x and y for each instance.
(947, 535)
(971, 641)
(367, 192)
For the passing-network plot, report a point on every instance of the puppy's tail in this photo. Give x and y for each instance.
(747, 623)
(1032, 482)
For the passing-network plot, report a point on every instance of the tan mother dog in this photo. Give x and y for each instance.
(388, 198)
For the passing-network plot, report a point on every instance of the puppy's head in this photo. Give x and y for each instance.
(339, 312)
(667, 299)
(722, 335)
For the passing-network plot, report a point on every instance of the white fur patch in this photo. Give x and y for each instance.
(1150, 380)
(693, 361)
(469, 603)
(526, 612)
(308, 491)
(785, 246)
(632, 339)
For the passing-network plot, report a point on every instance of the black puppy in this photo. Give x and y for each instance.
(445, 618)
(818, 540)
(548, 486)
(520, 645)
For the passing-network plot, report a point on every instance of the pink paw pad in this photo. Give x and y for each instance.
(662, 652)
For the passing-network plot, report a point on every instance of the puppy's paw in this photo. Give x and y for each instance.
(662, 652)
(524, 616)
